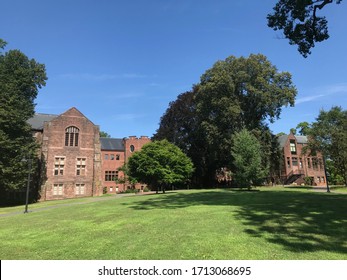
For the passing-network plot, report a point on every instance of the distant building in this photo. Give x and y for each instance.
(299, 167)
(76, 162)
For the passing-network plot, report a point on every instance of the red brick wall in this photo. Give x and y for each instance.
(53, 145)
(304, 164)
(137, 144)
(112, 165)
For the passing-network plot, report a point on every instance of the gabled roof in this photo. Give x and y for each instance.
(38, 120)
(282, 140)
(112, 144)
(301, 139)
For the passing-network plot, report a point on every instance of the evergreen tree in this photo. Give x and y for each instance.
(247, 160)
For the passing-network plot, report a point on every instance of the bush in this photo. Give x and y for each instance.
(308, 181)
(131, 191)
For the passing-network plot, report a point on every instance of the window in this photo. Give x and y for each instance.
(112, 156)
(288, 162)
(106, 156)
(81, 166)
(132, 148)
(292, 147)
(58, 189)
(80, 189)
(320, 161)
(111, 175)
(315, 163)
(295, 161)
(71, 136)
(59, 163)
(300, 163)
(309, 163)
(117, 157)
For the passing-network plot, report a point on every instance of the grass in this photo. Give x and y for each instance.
(268, 223)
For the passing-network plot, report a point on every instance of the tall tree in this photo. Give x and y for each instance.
(328, 135)
(247, 160)
(239, 93)
(180, 125)
(20, 80)
(300, 22)
(160, 164)
(234, 94)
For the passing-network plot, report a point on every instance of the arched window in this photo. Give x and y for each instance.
(71, 136)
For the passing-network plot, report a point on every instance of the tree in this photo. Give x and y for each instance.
(20, 79)
(300, 23)
(328, 135)
(160, 164)
(180, 125)
(247, 159)
(239, 93)
(104, 134)
(234, 94)
(303, 128)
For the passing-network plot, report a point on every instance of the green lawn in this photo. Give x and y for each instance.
(268, 223)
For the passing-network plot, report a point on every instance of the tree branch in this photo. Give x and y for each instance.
(314, 17)
(320, 6)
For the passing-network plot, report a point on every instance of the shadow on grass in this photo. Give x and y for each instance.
(298, 221)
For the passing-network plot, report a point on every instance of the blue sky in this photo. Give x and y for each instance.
(121, 62)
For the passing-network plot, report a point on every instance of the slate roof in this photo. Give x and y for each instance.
(299, 139)
(112, 144)
(38, 120)
(282, 140)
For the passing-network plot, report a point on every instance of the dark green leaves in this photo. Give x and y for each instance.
(160, 163)
(299, 21)
(20, 79)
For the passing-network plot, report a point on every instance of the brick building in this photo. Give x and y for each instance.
(76, 162)
(297, 165)
(115, 152)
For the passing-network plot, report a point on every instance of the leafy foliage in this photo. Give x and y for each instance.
(20, 79)
(328, 134)
(300, 23)
(180, 125)
(303, 128)
(160, 164)
(234, 94)
(104, 134)
(247, 159)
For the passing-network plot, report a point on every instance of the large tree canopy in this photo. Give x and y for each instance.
(20, 79)
(234, 94)
(300, 22)
(160, 164)
(240, 93)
